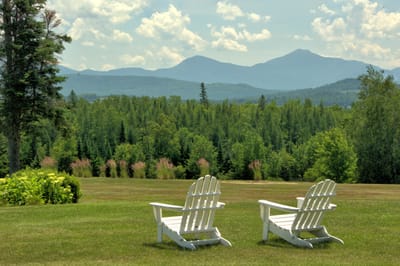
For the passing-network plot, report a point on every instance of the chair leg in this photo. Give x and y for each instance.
(178, 238)
(216, 234)
(265, 231)
(290, 237)
(323, 233)
(159, 233)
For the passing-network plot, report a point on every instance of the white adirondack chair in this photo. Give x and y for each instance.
(197, 216)
(306, 217)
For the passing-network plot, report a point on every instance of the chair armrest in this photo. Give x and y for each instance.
(300, 201)
(158, 208)
(166, 206)
(220, 204)
(278, 206)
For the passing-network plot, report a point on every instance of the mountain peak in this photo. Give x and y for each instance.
(302, 53)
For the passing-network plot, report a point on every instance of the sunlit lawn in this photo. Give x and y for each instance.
(113, 225)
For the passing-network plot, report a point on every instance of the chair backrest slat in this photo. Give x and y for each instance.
(315, 204)
(201, 203)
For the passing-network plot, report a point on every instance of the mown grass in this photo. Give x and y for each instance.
(113, 225)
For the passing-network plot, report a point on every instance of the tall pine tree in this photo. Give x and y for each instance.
(29, 81)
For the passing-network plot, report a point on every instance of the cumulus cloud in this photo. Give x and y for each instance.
(106, 67)
(254, 17)
(252, 37)
(121, 36)
(170, 55)
(359, 28)
(173, 25)
(128, 59)
(324, 9)
(116, 11)
(229, 11)
(330, 30)
(302, 37)
(229, 38)
(88, 21)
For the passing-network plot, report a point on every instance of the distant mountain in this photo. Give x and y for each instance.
(66, 71)
(297, 75)
(396, 74)
(105, 85)
(297, 70)
(343, 93)
(304, 69)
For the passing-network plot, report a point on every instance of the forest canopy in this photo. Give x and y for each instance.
(163, 137)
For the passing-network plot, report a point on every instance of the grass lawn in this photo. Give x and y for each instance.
(113, 225)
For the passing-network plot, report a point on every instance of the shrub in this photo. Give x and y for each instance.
(139, 170)
(48, 163)
(39, 187)
(255, 167)
(112, 167)
(165, 169)
(123, 170)
(204, 166)
(82, 168)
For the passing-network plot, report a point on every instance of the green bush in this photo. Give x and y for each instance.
(39, 187)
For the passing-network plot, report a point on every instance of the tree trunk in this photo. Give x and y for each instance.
(14, 143)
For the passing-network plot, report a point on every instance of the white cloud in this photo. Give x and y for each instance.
(134, 60)
(106, 67)
(359, 28)
(228, 38)
(121, 36)
(94, 21)
(267, 18)
(76, 30)
(173, 24)
(171, 56)
(229, 11)
(254, 17)
(116, 11)
(330, 30)
(324, 9)
(232, 12)
(88, 43)
(302, 37)
(252, 37)
(229, 44)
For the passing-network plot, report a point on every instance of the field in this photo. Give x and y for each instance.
(113, 225)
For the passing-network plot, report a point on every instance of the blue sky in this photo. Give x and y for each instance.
(154, 34)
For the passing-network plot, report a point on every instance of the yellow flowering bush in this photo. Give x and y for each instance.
(39, 187)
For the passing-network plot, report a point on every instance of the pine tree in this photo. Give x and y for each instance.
(29, 81)
(203, 95)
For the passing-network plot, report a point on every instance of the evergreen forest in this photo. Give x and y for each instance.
(160, 137)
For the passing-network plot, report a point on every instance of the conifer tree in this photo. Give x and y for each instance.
(203, 95)
(29, 81)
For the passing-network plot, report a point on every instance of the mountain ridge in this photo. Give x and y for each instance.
(296, 70)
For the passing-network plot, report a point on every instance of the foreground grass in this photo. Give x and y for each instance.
(113, 225)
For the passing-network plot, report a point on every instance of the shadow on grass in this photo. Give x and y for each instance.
(280, 243)
(174, 246)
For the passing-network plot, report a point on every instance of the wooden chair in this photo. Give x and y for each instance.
(197, 216)
(306, 217)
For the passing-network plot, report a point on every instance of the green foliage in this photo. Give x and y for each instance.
(229, 136)
(41, 186)
(334, 157)
(375, 128)
(29, 50)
